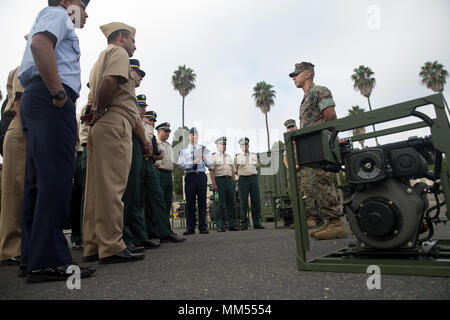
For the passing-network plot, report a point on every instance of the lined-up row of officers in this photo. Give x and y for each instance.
(121, 192)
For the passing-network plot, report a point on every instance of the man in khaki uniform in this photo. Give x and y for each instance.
(13, 176)
(165, 165)
(113, 119)
(223, 179)
(156, 207)
(246, 164)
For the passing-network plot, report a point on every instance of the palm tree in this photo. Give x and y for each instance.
(356, 132)
(265, 98)
(183, 81)
(364, 83)
(434, 76)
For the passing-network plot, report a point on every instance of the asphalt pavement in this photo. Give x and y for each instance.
(245, 265)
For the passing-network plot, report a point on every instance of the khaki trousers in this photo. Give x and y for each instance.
(109, 151)
(13, 177)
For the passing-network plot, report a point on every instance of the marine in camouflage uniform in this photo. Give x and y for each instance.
(302, 175)
(317, 185)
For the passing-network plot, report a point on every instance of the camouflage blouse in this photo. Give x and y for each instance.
(315, 101)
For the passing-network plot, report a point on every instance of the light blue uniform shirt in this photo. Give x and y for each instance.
(186, 159)
(67, 50)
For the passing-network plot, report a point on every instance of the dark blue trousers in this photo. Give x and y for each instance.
(195, 189)
(50, 166)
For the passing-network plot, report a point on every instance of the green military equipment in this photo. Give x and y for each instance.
(274, 186)
(387, 213)
(315, 150)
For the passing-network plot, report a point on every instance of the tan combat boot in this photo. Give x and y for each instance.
(335, 229)
(313, 233)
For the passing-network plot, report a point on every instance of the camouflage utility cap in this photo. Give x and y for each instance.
(300, 67)
(290, 123)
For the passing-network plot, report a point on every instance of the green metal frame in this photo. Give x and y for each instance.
(335, 261)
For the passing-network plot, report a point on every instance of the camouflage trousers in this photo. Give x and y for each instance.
(319, 192)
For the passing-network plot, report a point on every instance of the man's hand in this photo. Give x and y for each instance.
(59, 103)
(157, 158)
(297, 168)
(147, 149)
(91, 118)
(214, 187)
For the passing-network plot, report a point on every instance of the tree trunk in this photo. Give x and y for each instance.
(374, 130)
(182, 111)
(268, 137)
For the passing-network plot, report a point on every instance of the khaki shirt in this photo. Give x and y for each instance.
(114, 62)
(246, 164)
(166, 162)
(83, 131)
(12, 88)
(223, 165)
(148, 130)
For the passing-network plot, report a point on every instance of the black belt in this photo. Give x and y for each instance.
(166, 171)
(224, 177)
(196, 173)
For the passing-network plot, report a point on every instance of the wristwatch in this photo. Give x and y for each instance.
(60, 95)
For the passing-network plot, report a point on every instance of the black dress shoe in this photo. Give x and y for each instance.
(22, 271)
(220, 230)
(149, 244)
(57, 274)
(244, 228)
(135, 249)
(259, 228)
(188, 233)
(122, 257)
(204, 232)
(93, 258)
(11, 262)
(172, 238)
(233, 229)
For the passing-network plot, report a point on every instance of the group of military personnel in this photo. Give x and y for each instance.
(117, 185)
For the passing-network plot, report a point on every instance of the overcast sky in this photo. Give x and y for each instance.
(233, 44)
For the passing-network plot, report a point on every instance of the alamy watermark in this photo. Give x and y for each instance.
(374, 281)
(374, 17)
(74, 281)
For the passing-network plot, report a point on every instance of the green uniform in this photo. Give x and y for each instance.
(133, 220)
(157, 222)
(223, 168)
(246, 165)
(155, 203)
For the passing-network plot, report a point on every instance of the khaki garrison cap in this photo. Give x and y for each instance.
(109, 28)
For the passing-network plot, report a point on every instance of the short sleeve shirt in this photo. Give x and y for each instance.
(166, 162)
(56, 21)
(314, 103)
(246, 164)
(13, 87)
(223, 165)
(114, 62)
